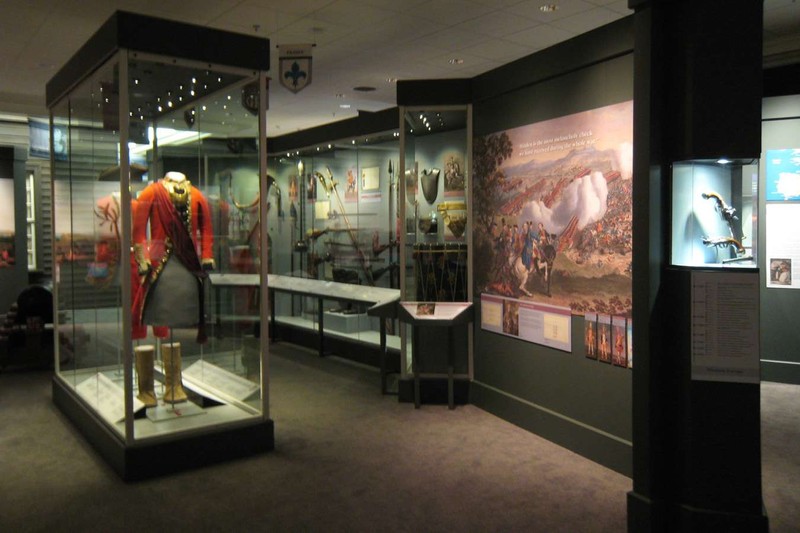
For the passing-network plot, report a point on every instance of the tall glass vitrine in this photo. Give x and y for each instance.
(436, 252)
(153, 361)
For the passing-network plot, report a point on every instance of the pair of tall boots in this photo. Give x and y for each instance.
(144, 357)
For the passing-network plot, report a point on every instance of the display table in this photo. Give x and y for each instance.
(435, 314)
(382, 300)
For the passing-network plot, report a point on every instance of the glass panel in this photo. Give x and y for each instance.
(196, 233)
(86, 215)
(436, 163)
(713, 213)
(339, 223)
(194, 160)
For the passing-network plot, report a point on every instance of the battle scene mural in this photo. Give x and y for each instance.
(553, 210)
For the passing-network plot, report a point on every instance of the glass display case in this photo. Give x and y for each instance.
(435, 236)
(158, 191)
(714, 211)
(337, 224)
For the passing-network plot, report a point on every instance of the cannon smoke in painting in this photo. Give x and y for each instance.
(553, 211)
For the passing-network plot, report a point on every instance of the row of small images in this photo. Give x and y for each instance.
(609, 339)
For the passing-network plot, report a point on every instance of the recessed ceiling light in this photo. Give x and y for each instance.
(344, 106)
(391, 80)
(723, 161)
(548, 8)
(456, 61)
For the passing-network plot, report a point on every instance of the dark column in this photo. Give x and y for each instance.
(696, 445)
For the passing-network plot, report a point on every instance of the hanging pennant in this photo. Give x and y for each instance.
(294, 61)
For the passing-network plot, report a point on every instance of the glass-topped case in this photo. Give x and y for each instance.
(436, 237)
(337, 220)
(161, 153)
(714, 213)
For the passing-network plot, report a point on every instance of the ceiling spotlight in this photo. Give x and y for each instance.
(548, 8)
(723, 161)
(456, 61)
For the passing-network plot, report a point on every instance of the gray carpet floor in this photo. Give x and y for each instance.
(346, 459)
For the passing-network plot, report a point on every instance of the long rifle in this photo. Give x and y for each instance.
(329, 184)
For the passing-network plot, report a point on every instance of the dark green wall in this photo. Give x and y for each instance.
(574, 401)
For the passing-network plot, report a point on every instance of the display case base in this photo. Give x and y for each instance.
(645, 514)
(433, 391)
(148, 460)
(360, 352)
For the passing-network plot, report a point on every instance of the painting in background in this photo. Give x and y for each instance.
(553, 211)
(7, 227)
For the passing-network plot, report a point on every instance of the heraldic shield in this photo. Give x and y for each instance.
(295, 73)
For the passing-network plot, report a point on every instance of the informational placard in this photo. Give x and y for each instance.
(221, 380)
(783, 246)
(370, 179)
(435, 310)
(322, 209)
(724, 326)
(533, 322)
(105, 397)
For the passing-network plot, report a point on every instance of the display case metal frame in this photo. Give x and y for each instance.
(409, 369)
(123, 38)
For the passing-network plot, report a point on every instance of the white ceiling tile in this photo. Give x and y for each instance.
(269, 20)
(393, 5)
(451, 12)
(566, 8)
(621, 7)
(496, 24)
(540, 37)
(502, 51)
(499, 4)
(602, 2)
(586, 20)
(352, 14)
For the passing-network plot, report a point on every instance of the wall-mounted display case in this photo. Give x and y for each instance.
(714, 220)
(337, 222)
(160, 369)
(436, 147)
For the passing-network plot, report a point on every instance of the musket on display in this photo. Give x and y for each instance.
(728, 215)
(330, 186)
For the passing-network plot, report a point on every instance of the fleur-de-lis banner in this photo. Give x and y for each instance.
(295, 66)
